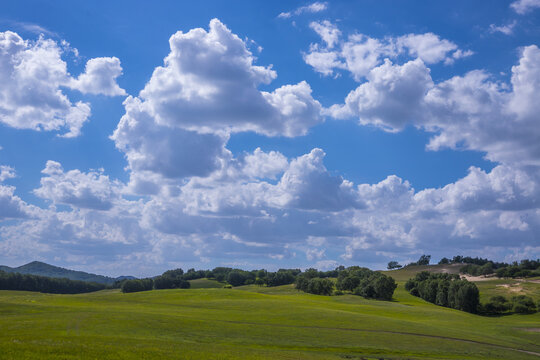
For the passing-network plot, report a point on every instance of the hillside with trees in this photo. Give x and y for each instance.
(25, 282)
(43, 269)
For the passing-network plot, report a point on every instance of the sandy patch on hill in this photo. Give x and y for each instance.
(477, 278)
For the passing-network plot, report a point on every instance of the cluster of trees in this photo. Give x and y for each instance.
(498, 305)
(170, 279)
(317, 282)
(366, 283)
(423, 260)
(356, 280)
(525, 268)
(237, 277)
(316, 285)
(477, 270)
(445, 290)
(479, 266)
(136, 285)
(25, 282)
(458, 259)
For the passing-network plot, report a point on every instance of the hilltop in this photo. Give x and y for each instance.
(43, 269)
(408, 272)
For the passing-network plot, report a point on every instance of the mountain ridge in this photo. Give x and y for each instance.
(44, 269)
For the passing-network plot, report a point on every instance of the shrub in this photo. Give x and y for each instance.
(496, 305)
(523, 304)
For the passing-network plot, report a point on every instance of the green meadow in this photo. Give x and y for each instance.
(252, 322)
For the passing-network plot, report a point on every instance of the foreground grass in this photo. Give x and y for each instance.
(252, 323)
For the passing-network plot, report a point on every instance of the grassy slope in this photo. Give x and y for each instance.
(205, 284)
(251, 323)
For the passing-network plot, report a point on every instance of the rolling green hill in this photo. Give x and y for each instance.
(253, 322)
(42, 269)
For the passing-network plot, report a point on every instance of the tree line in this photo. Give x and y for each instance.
(177, 279)
(355, 280)
(477, 266)
(25, 282)
(525, 268)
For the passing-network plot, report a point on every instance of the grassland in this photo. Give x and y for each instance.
(252, 322)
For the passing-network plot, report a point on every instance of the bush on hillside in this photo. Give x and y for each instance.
(496, 305)
(523, 304)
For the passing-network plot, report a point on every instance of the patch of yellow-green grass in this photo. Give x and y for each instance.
(252, 323)
(205, 284)
(509, 288)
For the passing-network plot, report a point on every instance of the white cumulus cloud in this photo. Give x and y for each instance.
(33, 74)
(92, 190)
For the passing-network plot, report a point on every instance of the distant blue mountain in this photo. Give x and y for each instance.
(42, 269)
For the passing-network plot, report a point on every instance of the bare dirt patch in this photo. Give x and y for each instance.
(512, 287)
(530, 329)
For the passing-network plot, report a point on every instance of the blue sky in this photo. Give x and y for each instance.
(137, 137)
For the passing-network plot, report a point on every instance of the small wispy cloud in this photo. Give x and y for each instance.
(524, 6)
(30, 27)
(312, 8)
(505, 29)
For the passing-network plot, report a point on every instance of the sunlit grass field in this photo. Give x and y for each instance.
(252, 322)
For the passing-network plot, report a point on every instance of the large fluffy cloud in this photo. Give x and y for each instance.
(470, 111)
(209, 84)
(33, 74)
(391, 98)
(206, 90)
